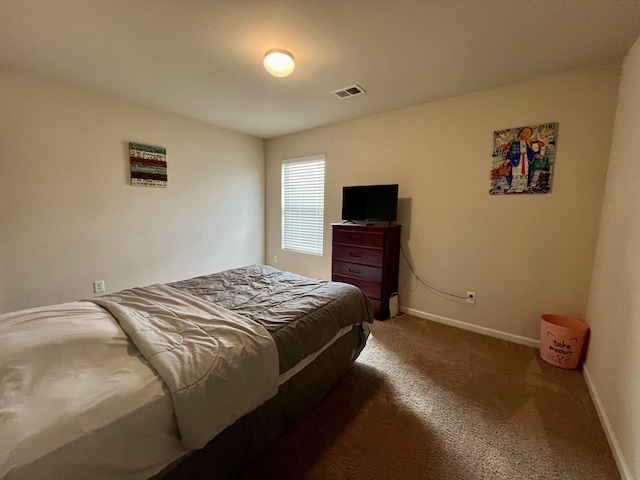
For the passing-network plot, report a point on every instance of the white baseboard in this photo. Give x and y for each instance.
(529, 342)
(623, 467)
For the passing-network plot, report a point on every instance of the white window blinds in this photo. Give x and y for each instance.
(303, 204)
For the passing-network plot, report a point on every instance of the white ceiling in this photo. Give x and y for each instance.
(203, 59)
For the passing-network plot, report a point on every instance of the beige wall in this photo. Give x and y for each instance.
(523, 255)
(68, 215)
(613, 363)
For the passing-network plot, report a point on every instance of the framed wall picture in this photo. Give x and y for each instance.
(522, 159)
(148, 165)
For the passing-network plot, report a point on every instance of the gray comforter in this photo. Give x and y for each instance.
(219, 342)
(217, 364)
(302, 314)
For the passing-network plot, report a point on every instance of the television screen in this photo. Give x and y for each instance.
(371, 203)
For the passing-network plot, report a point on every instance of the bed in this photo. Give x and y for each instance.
(92, 389)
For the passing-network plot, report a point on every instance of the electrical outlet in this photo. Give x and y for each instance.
(275, 259)
(471, 297)
(98, 286)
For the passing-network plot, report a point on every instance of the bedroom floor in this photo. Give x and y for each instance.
(429, 401)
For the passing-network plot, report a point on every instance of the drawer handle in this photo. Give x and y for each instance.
(355, 254)
(352, 270)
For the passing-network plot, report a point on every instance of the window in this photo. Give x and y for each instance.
(303, 204)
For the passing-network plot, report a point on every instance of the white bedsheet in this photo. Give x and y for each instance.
(75, 394)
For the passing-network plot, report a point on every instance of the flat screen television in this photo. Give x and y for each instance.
(370, 203)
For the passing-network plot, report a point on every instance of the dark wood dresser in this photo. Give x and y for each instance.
(367, 257)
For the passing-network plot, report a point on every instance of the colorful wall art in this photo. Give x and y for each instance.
(148, 165)
(522, 160)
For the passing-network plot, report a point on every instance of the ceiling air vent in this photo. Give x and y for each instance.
(351, 91)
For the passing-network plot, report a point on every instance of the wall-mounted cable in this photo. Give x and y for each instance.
(430, 287)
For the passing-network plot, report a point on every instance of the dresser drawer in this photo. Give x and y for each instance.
(348, 253)
(371, 290)
(360, 272)
(363, 239)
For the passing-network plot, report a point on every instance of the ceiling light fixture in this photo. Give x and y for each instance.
(278, 62)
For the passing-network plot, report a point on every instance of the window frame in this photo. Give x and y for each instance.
(294, 235)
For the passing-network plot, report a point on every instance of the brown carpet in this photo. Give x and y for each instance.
(428, 401)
